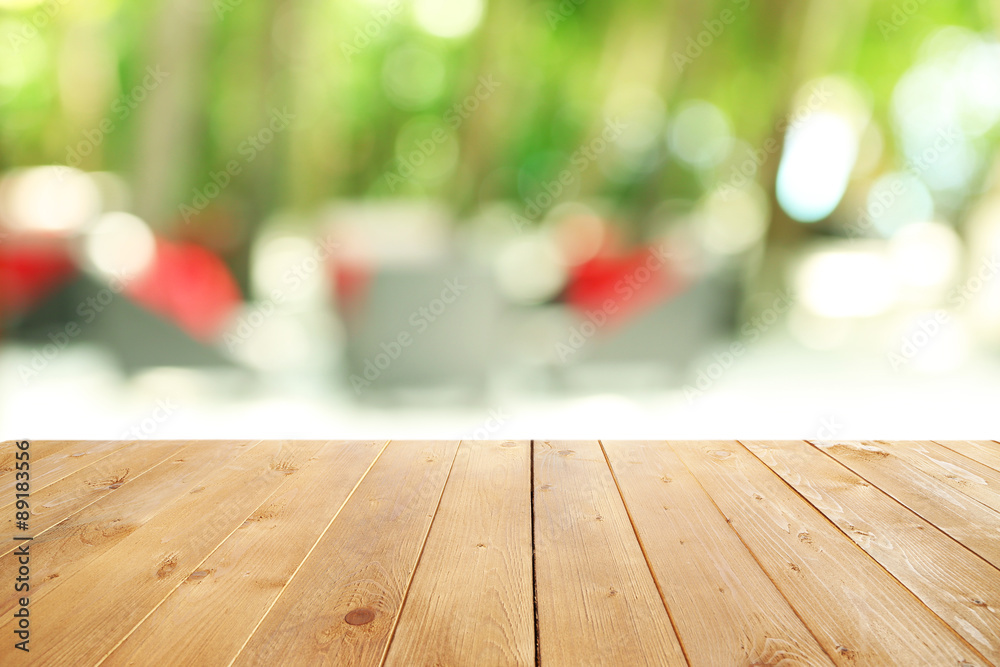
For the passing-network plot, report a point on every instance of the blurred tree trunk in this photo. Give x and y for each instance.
(638, 54)
(169, 119)
(315, 146)
(259, 181)
(813, 34)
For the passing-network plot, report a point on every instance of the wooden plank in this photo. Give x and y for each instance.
(470, 602)
(59, 501)
(597, 601)
(957, 514)
(986, 452)
(726, 610)
(341, 607)
(81, 620)
(970, 477)
(54, 466)
(210, 616)
(952, 581)
(859, 613)
(63, 550)
(39, 449)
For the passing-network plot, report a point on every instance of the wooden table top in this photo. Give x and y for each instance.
(503, 553)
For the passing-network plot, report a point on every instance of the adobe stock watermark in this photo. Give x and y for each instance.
(562, 11)
(420, 320)
(223, 7)
(742, 174)
(626, 288)
(713, 29)
(249, 149)
(495, 420)
(454, 118)
(122, 108)
(902, 12)
(927, 328)
(750, 333)
(372, 28)
(148, 426)
(293, 279)
(38, 21)
(829, 427)
(579, 162)
(885, 196)
(87, 310)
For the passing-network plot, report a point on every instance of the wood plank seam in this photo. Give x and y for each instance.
(470, 599)
(534, 569)
(340, 607)
(965, 455)
(597, 600)
(920, 454)
(713, 586)
(642, 547)
(111, 519)
(866, 554)
(178, 538)
(8, 449)
(423, 545)
(180, 583)
(855, 625)
(227, 517)
(951, 508)
(750, 551)
(944, 443)
(128, 479)
(245, 568)
(905, 506)
(122, 444)
(897, 538)
(308, 553)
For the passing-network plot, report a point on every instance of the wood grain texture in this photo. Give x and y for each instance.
(55, 465)
(209, 617)
(950, 468)
(84, 618)
(829, 581)
(341, 607)
(470, 602)
(954, 512)
(726, 610)
(986, 452)
(597, 601)
(62, 551)
(953, 582)
(429, 553)
(38, 449)
(57, 502)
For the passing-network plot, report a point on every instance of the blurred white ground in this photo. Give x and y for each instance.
(776, 390)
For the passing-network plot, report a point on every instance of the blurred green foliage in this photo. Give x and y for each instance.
(558, 64)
